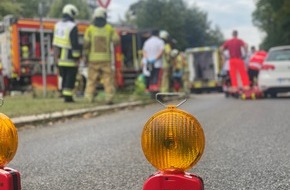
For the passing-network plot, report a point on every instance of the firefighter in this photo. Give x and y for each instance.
(97, 49)
(185, 76)
(166, 61)
(67, 50)
(180, 72)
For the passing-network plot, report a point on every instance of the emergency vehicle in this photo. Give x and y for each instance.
(204, 67)
(20, 53)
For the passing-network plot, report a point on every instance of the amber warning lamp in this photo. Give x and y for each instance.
(173, 142)
(9, 178)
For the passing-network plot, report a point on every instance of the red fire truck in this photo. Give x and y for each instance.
(20, 53)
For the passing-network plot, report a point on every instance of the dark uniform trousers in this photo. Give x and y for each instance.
(68, 75)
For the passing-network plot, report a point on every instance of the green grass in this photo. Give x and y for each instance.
(26, 104)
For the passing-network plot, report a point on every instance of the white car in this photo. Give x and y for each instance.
(274, 77)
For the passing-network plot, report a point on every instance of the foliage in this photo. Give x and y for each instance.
(29, 8)
(23, 8)
(215, 36)
(28, 104)
(52, 8)
(272, 17)
(188, 25)
(56, 8)
(9, 7)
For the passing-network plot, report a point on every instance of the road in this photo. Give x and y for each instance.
(247, 147)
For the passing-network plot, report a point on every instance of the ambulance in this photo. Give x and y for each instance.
(204, 67)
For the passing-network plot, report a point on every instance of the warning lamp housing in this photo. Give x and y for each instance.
(173, 140)
(8, 140)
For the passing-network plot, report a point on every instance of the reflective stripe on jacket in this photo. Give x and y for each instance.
(257, 59)
(64, 60)
(97, 42)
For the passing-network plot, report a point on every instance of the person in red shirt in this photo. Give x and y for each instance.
(237, 65)
(255, 64)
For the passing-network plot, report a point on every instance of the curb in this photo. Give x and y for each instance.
(20, 121)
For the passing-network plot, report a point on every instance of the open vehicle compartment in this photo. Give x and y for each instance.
(204, 66)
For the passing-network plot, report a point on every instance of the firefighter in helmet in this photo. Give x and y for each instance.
(67, 50)
(98, 40)
(180, 72)
(166, 61)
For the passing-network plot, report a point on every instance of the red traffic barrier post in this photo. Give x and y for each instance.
(184, 181)
(9, 178)
(173, 141)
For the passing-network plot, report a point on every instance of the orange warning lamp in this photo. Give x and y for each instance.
(173, 141)
(8, 140)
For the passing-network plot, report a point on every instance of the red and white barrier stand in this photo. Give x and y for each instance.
(9, 178)
(184, 181)
(173, 142)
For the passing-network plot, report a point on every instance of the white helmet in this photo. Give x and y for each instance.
(174, 53)
(70, 9)
(163, 34)
(100, 12)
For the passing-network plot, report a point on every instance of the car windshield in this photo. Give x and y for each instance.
(279, 55)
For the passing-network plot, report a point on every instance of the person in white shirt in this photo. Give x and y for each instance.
(152, 52)
(146, 73)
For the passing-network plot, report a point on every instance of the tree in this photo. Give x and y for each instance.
(188, 25)
(30, 8)
(9, 7)
(56, 8)
(215, 36)
(272, 17)
(130, 15)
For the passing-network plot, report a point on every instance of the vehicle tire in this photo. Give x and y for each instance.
(220, 89)
(198, 91)
(273, 94)
(265, 95)
(227, 94)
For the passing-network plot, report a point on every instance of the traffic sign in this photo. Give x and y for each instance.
(104, 3)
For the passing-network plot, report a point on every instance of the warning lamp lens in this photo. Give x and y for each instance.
(8, 140)
(173, 140)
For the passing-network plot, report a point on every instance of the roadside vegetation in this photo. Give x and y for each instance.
(27, 104)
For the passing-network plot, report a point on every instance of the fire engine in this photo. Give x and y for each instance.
(20, 53)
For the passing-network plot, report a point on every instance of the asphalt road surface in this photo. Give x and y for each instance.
(247, 147)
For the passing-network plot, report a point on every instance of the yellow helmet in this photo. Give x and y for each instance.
(70, 9)
(100, 12)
